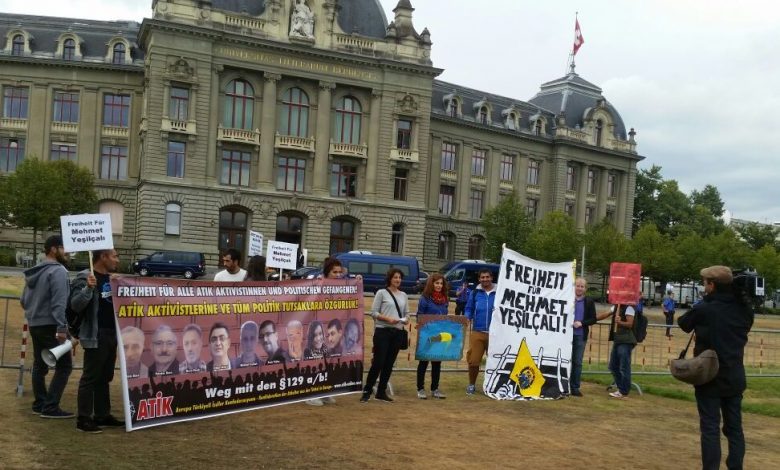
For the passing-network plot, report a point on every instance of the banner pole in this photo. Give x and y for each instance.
(91, 265)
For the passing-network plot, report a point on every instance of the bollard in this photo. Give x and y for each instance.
(20, 385)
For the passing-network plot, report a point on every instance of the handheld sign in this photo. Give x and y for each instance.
(255, 243)
(86, 232)
(281, 255)
(624, 283)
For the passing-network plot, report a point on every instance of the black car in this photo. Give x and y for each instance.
(189, 264)
(300, 273)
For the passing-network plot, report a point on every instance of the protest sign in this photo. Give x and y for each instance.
(86, 232)
(440, 337)
(255, 243)
(529, 352)
(624, 283)
(191, 350)
(281, 255)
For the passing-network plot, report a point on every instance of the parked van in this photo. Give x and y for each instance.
(458, 272)
(189, 264)
(374, 268)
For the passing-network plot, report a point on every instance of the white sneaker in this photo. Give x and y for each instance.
(437, 394)
(421, 395)
(315, 402)
(328, 400)
(617, 394)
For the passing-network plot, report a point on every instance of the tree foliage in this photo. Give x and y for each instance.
(603, 246)
(654, 251)
(507, 223)
(758, 235)
(554, 239)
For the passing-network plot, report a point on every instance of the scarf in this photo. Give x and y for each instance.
(439, 298)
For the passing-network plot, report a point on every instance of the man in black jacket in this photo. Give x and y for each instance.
(584, 316)
(721, 322)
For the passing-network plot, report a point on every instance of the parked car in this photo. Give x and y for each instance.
(189, 264)
(300, 273)
(373, 268)
(467, 270)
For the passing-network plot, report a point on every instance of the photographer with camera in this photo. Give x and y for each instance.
(721, 322)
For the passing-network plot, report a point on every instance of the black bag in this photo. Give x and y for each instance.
(73, 317)
(640, 325)
(404, 335)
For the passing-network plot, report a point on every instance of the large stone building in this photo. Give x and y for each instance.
(310, 121)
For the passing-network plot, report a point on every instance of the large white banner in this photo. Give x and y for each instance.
(529, 354)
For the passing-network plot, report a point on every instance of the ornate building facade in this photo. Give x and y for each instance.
(314, 122)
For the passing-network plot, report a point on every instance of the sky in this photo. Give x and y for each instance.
(697, 79)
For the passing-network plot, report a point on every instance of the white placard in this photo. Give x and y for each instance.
(86, 232)
(281, 255)
(255, 243)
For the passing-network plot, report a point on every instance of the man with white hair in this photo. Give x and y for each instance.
(133, 343)
(295, 339)
(248, 345)
(164, 345)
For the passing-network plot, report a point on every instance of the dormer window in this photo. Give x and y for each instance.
(482, 111)
(69, 50)
(483, 115)
(17, 45)
(599, 132)
(119, 54)
(510, 118)
(452, 108)
(538, 127)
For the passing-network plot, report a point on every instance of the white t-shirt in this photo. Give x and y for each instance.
(225, 276)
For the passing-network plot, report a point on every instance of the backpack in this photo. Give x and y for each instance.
(640, 324)
(73, 317)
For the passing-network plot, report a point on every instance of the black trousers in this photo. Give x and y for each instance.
(48, 399)
(94, 399)
(387, 343)
(710, 410)
(435, 374)
(669, 322)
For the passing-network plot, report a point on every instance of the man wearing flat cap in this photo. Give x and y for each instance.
(721, 322)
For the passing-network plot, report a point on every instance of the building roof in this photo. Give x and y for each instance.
(363, 17)
(247, 7)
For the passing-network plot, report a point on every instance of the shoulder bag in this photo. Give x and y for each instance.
(698, 370)
(404, 334)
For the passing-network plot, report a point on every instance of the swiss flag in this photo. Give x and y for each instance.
(578, 39)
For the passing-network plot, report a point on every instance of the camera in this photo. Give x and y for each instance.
(749, 285)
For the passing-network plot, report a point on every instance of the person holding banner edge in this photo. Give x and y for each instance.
(479, 310)
(433, 301)
(584, 316)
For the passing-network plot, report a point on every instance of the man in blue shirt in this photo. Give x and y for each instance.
(479, 309)
(668, 306)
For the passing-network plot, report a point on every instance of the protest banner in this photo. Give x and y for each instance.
(281, 255)
(529, 351)
(255, 244)
(440, 337)
(624, 283)
(86, 232)
(191, 350)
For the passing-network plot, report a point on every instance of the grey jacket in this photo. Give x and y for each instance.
(84, 299)
(45, 295)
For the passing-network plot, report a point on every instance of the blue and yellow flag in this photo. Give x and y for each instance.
(526, 374)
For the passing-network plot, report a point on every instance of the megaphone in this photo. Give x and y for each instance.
(50, 356)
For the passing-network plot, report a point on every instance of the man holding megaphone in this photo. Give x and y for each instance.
(44, 299)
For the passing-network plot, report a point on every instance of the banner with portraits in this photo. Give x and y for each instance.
(529, 350)
(195, 349)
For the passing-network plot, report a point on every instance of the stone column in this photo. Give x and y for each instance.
(464, 180)
(89, 130)
(373, 145)
(265, 167)
(37, 142)
(322, 146)
(493, 174)
(521, 176)
(434, 174)
(621, 217)
(601, 199)
(582, 196)
(214, 122)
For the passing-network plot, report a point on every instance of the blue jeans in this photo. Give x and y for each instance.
(48, 400)
(710, 410)
(577, 353)
(620, 366)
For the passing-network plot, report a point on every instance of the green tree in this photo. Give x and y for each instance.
(709, 198)
(702, 222)
(603, 246)
(673, 208)
(758, 235)
(554, 239)
(766, 262)
(654, 251)
(506, 223)
(727, 249)
(647, 184)
(38, 193)
(692, 252)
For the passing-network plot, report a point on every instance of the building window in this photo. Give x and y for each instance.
(232, 229)
(589, 215)
(446, 199)
(295, 113)
(397, 239)
(476, 203)
(292, 172)
(343, 180)
(66, 107)
(401, 184)
(119, 54)
(17, 45)
(591, 181)
(11, 154)
(15, 100)
(342, 235)
(533, 172)
(511, 121)
(476, 246)
(404, 135)
(483, 115)
(63, 152)
(446, 248)
(235, 167)
(179, 104)
(571, 182)
(349, 116)
(532, 208)
(289, 228)
(239, 105)
(173, 219)
(116, 211)
(69, 49)
(611, 185)
(507, 167)
(599, 131)
(538, 127)
(176, 153)
(478, 158)
(452, 108)
(116, 110)
(568, 208)
(448, 154)
(113, 163)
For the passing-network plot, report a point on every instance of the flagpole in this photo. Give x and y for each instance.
(572, 65)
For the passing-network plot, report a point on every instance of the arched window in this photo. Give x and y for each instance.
(452, 108)
(239, 105)
(117, 212)
(17, 45)
(232, 229)
(289, 228)
(538, 127)
(397, 239)
(483, 115)
(342, 235)
(173, 219)
(69, 49)
(446, 246)
(119, 53)
(476, 246)
(348, 121)
(295, 113)
(511, 121)
(599, 132)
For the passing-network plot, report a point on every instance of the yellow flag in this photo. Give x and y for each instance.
(525, 374)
